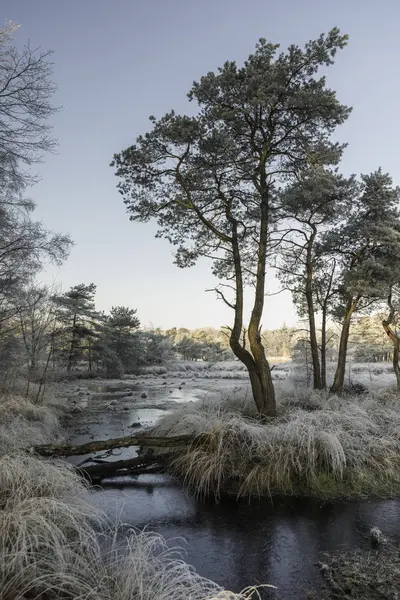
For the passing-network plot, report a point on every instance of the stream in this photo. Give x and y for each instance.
(236, 544)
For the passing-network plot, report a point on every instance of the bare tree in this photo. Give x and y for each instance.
(26, 89)
(36, 313)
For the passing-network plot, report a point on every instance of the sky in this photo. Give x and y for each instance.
(117, 62)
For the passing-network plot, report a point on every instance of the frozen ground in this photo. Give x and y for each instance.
(186, 381)
(286, 374)
(111, 408)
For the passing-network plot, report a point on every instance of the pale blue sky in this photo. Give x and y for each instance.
(117, 62)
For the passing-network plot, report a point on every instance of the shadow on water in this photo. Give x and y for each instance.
(275, 541)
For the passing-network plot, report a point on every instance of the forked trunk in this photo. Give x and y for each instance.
(338, 381)
(265, 399)
(255, 361)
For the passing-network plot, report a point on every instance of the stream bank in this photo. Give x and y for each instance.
(236, 544)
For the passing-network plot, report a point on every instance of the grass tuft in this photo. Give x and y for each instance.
(319, 445)
(24, 424)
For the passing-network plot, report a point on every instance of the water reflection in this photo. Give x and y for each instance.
(241, 544)
(234, 544)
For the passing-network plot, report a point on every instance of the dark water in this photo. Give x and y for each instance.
(238, 544)
(241, 544)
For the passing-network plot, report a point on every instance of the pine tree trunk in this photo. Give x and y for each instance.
(338, 381)
(71, 353)
(265, 400)
(311, 314)
(317, 381)
(256, 361)
(323, 347)
(262, 385)
(89, 355)
(396, 366)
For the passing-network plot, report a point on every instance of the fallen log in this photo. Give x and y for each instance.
(132, 466)
(124, 442)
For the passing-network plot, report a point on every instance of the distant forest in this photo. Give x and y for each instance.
(60, 333)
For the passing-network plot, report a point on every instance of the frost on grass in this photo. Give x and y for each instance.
(364, 574)
(24, 424)
(319, 445)
(23, 476)
(53, 546)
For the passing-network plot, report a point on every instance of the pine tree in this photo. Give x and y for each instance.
(120, 345)
(366, 246)
(210, 180)
(79, 323)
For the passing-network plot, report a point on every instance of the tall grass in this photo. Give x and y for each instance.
(54, 546)
(319, 445)
(53, 543)
(24, 424)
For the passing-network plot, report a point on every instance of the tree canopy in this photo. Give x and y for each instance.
(211, 180)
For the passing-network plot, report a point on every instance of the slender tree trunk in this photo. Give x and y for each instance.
(396, 366)
(257, 365)
(72, 345)
(264, 387)
(42, 382)
(323, 347)
(338, 381)
(396, 343)
(324, 304)
(53, 350)
(311, 313)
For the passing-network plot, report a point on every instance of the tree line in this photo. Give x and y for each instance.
(55, 333)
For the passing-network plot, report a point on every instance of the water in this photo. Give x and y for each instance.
(239, 544)
(100, 419)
